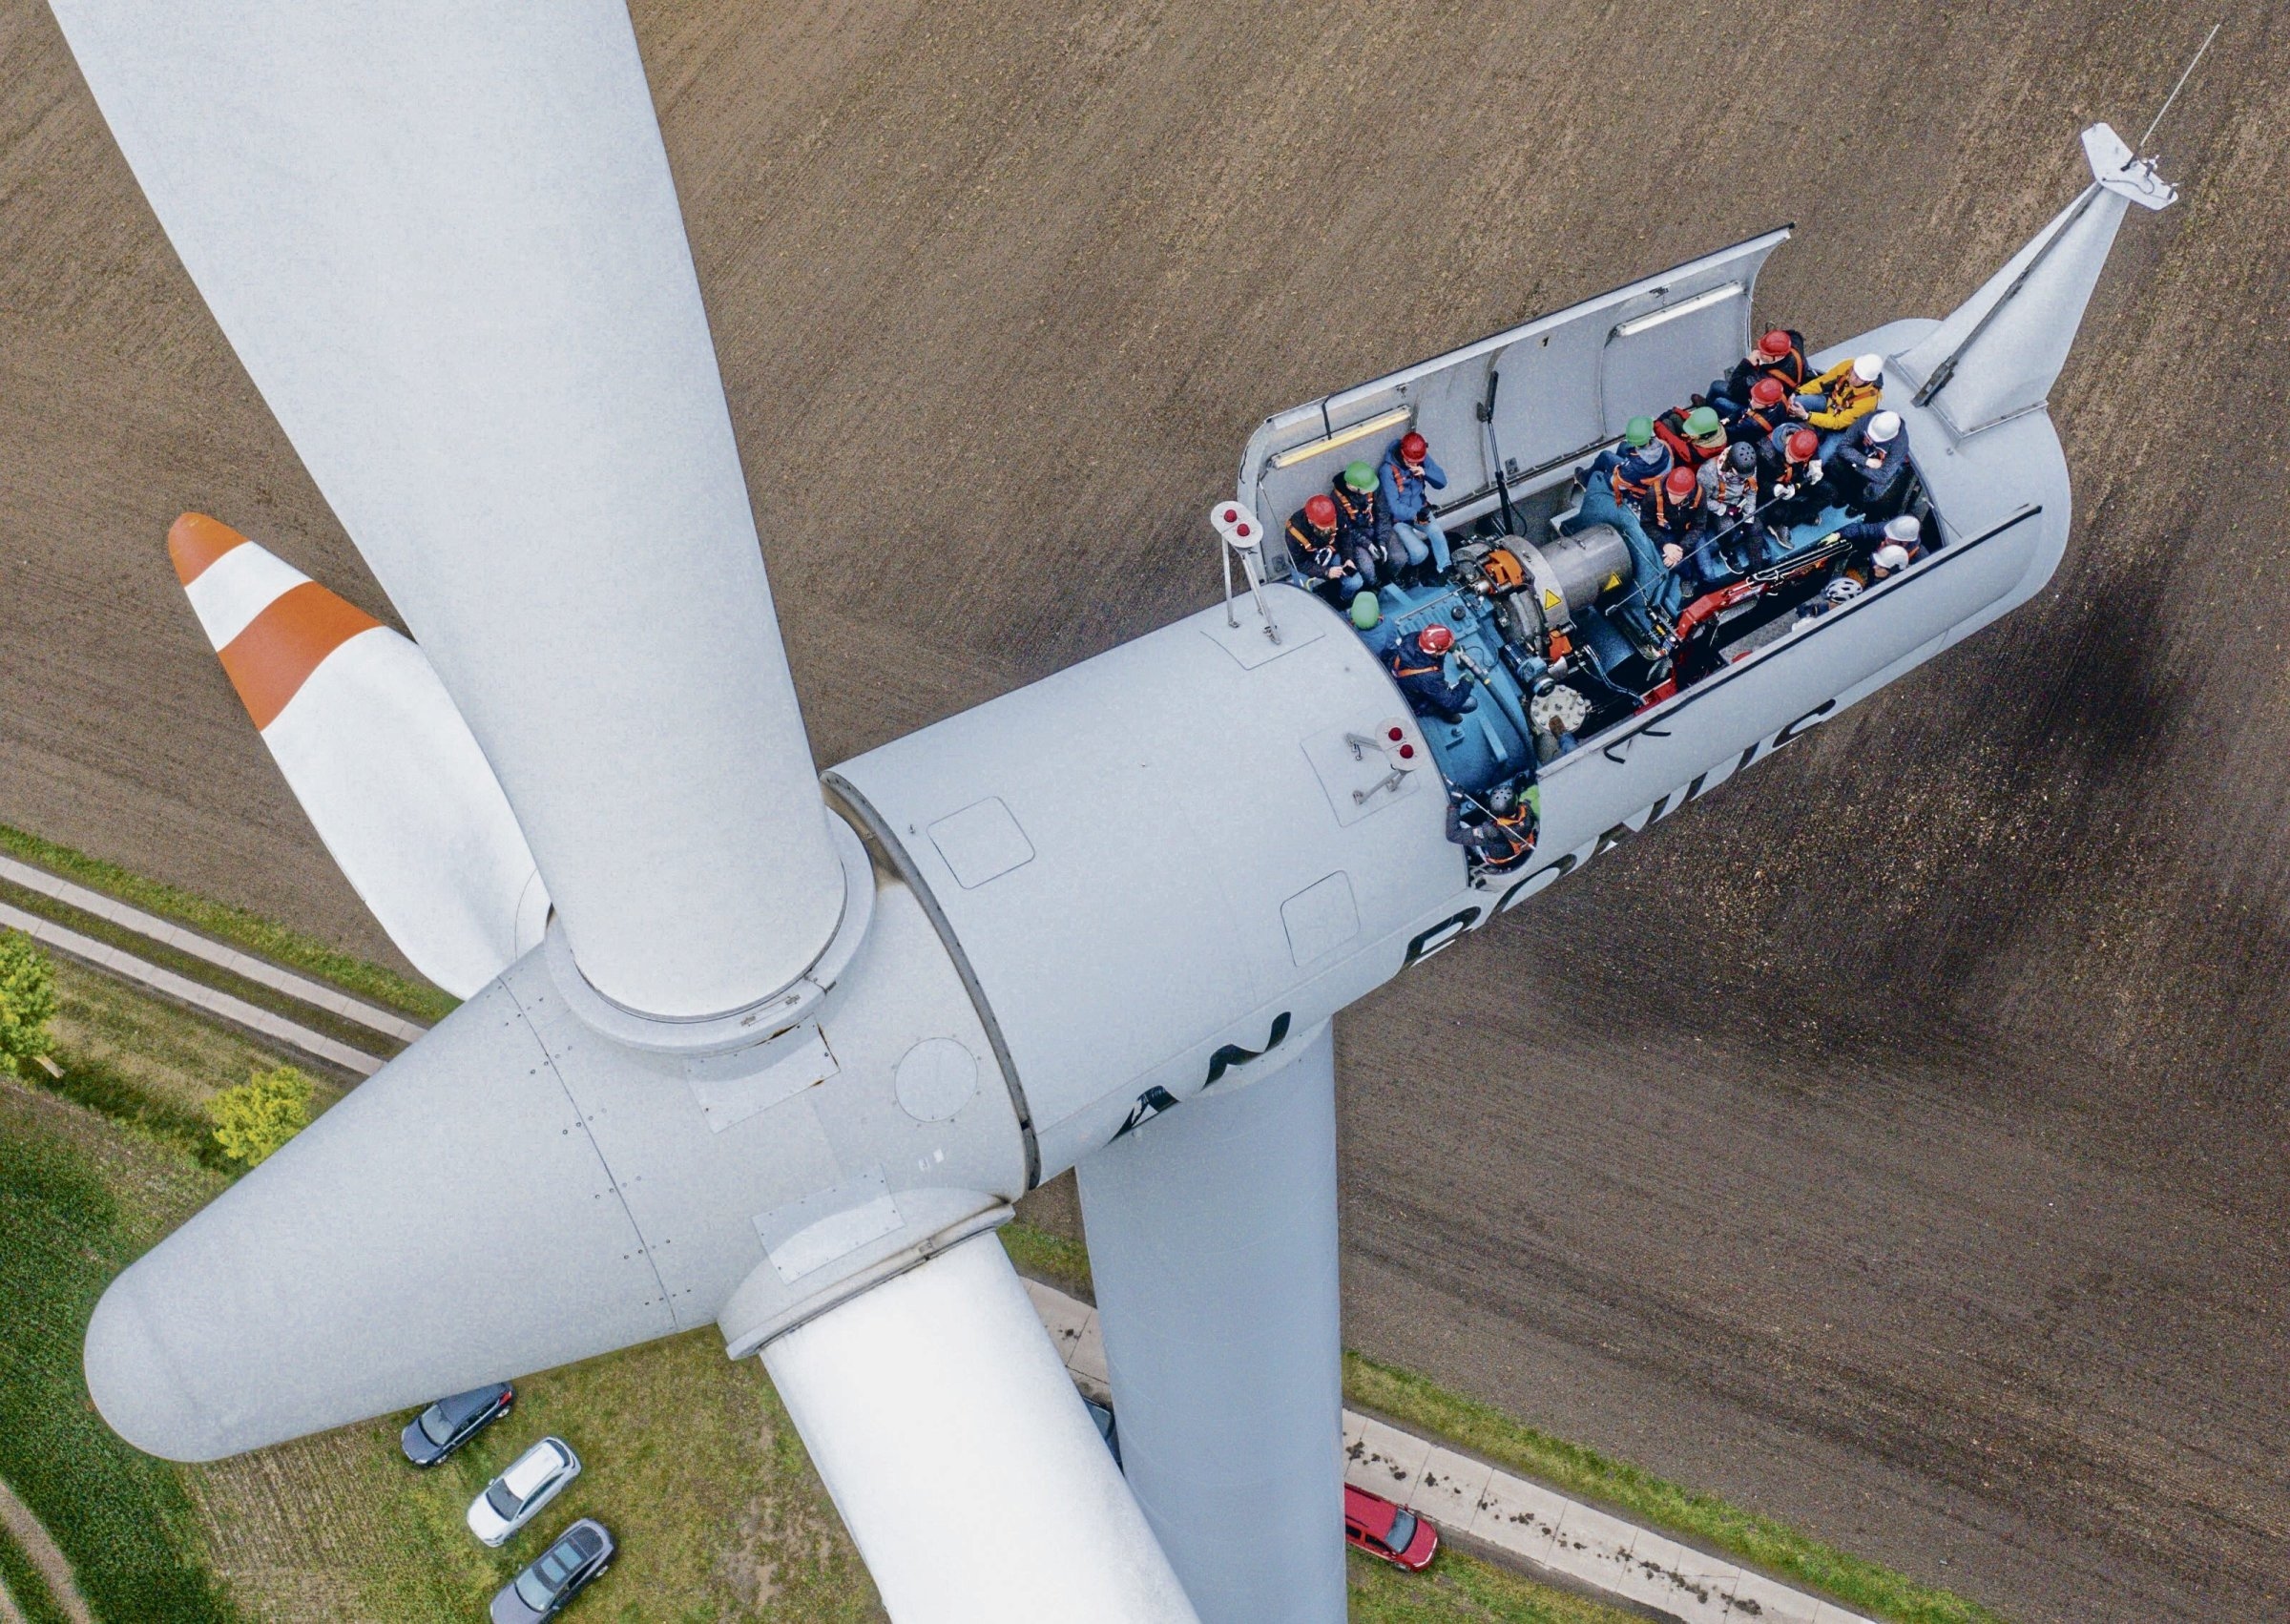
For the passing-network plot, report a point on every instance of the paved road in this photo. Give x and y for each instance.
(1894, 1140)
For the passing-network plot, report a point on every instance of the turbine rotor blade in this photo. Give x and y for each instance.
(373, 748)
(1213, 1246)
(961, 1459)
(444, 243)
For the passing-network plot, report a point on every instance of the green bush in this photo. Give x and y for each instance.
(260, 1114)
(26, 1001)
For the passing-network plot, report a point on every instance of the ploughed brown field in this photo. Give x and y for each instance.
(1893, 1140)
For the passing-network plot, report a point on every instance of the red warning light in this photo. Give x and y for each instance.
(1397, 736)
(1406, 752)
(1230, 515)
(1240, 530)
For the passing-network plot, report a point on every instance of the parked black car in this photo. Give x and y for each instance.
(449, 1423)
(580, 1556)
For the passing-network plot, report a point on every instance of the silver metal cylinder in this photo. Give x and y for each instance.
(1583, 564)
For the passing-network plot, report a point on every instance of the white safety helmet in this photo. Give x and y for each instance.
(1869, 368)
(1906, 528)
(1842, 589)
(1890, 557)
(1885, 425)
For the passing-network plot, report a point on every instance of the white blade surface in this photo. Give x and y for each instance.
(372, 747)
(1213, 1243)
(450, 1222)
(444, 240)
(961, 1459)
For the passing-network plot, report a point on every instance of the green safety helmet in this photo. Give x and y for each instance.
(1367, 610)
(1638, 431)
(1701, 423)
(1360, 476)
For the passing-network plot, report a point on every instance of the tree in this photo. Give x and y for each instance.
(26, 1001)
(260, 1114)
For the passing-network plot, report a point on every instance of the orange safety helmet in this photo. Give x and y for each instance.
(1680, 483)
(1775, 342)
(1804, 446)
(1414, 448)
(1435, 639)
(1320, 512)
(1766, 392)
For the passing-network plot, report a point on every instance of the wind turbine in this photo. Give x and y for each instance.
(736, 1050)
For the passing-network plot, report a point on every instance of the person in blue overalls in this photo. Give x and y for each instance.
(1406, 479)
(1419, 664)
(1614, 489)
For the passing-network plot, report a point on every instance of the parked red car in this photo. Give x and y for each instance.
(1387, 1531)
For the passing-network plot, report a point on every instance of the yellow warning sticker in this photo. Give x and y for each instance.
(1550, 599)
(1613, 581)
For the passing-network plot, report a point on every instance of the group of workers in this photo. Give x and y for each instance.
(1373, 524)
(1702, 496)
(1705, 494)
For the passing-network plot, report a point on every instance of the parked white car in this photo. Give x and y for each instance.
(532, 1480)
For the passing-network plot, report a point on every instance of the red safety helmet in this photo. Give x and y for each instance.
(1775, 342)
(1414, 448)
(1435, 639)
(1804, 446)
(1680, 483)
(1320, 512)
(1766, 392)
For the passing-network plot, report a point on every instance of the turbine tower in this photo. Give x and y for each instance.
(746, 1047)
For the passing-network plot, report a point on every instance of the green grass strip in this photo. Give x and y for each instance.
(107, 1090)
(195, 968)
(238, 926)
(1419, 1402)
(1457, 1587)
(27, 1587)
(1047, 1256)
(122, 1518)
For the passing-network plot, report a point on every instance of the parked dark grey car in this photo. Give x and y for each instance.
(581, 1554)
(1103, 1416)
(449, 1423)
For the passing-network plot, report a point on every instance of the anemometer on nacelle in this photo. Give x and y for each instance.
(742, 1048)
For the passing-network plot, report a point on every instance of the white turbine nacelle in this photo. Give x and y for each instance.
(779, 1064)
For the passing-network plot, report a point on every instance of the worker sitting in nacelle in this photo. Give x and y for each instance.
(1419, 664)
(1869, 466)
(1843, 396)
(1770, 410)
(1614, 487)
(1363, 531)
(1312, 547)
(1778, 353)
(1404, 480)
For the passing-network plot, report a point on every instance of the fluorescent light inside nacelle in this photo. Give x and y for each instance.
(1638, 324)
(1359, 430)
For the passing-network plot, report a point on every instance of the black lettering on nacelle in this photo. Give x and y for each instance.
(1449, 930)
(1549, 874)
(1803, 722)
(1233, 1055)
(1443, 934)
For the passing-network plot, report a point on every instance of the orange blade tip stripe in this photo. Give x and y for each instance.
(274, 657)
(196, 541)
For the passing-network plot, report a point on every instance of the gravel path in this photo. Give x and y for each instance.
(25, 1529)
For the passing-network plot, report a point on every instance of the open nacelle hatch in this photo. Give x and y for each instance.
(1512, 419)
